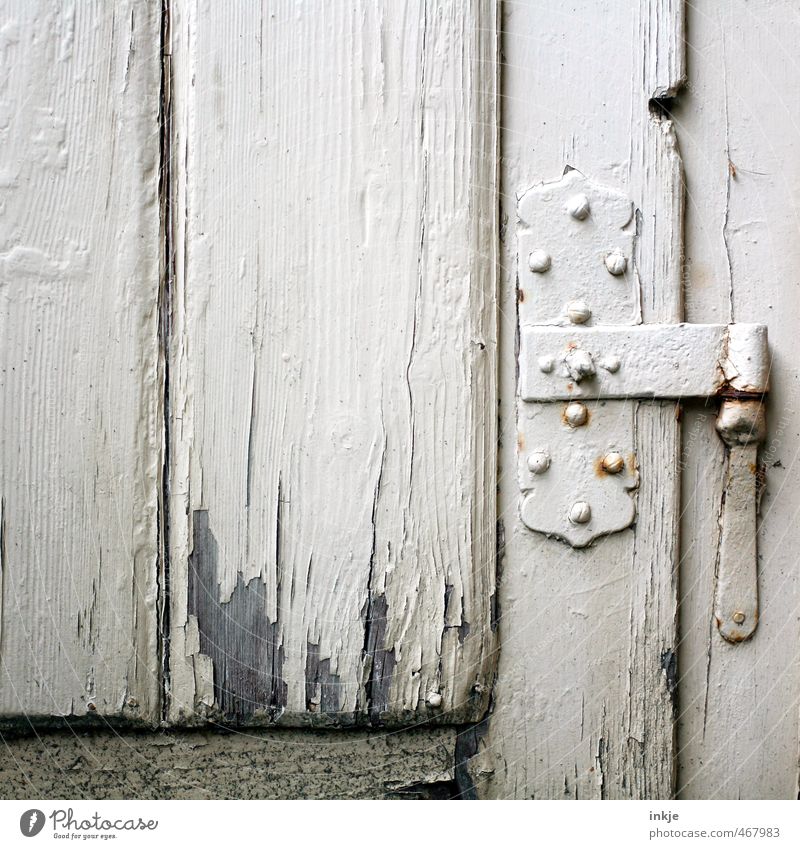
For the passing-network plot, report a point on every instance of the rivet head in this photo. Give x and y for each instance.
(580, 364)
(739, 617)
(613, 462)
(539, 261)
(580, 513)
(610, 364)
(578, 312)
(546, 364)
(616, 263)
(539, 462)
(434, 699)
(576, 414)
(578, 206)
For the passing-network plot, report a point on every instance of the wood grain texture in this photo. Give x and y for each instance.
(332, 372)
(738, 729)
(79, 380)
(287, 764)
(583, 704)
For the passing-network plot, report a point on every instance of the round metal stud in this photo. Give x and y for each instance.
(578, 207)
(576, 414)
(610, 364)
(546, 364)
(578, 312)
(434, 699)
(739, 617)
(539, 261)
(613, 462)
(580, 513)
(539, 462)
(616, 263)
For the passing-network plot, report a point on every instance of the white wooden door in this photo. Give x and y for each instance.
(332, 361)
(258, 484)
(260, 317)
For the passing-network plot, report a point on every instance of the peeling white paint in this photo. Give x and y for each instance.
(79, 384)
(334, 334)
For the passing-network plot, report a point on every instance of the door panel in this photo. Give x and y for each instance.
(332, 379)
(585, 688)
(79, 369)
(738, 730)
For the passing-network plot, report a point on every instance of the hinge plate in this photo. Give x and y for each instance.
(575, 240)
(581, 340)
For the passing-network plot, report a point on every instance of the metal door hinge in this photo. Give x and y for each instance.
(582, 340)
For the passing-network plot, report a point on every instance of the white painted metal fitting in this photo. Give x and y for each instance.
(578, 312)
(578, 206)
(546, 364)
(616, 263)
(742, 421)
(539, 261)
(434, 699)
(613, 462)
(580, 513)
(576, 414)
(539, 462)
(610, 364)
(579, 364)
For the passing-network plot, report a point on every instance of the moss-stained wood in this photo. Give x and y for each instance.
(289, 764)
(79, 362)
(332, 387)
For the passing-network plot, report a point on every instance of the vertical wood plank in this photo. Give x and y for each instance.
(79, 381)
(738, 730)
(583, 704)
(333, 507)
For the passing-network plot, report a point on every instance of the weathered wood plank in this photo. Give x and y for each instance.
(332, 371)
(296, 764)
(738, 730)
(79, 379)
(583, 701)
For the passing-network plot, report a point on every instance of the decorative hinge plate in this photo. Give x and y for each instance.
(580, 341)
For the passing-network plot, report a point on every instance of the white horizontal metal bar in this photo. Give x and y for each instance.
(642, 361)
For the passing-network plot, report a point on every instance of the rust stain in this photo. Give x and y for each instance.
(521, 441)
(520, 295)
(599, 470)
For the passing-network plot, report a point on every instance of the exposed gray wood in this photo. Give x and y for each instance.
(333, 360)
(79, 380)
(413, 764)
(738, 730)
(583, 701)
